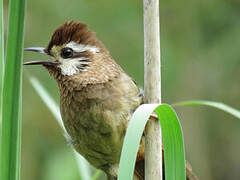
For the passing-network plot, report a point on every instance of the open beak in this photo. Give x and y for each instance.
(41, 62)
(46, 63)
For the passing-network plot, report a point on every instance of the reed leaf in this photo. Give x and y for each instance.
(83, 165)
(12, 98)
(174, 155)
(172, 142)
(1, 56)
(217, 105)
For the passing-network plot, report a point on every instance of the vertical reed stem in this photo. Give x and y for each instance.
(12, 96)
(152, 88)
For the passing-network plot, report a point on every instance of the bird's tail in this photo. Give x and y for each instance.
(139, 171)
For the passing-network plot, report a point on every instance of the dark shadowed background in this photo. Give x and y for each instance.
(200, 50)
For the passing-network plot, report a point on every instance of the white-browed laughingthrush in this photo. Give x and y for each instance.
(97, 98)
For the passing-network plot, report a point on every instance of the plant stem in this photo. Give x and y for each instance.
(12, 98)
(152, 88)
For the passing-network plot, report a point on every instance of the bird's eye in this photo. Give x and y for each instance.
(67, 53)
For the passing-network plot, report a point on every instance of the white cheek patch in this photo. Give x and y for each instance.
(82, 48)
(71, 66)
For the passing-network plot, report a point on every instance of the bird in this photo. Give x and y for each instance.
(97, 97)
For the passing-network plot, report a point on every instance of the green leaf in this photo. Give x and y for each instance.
(83, 165)
(12, 98)
(174, 156)
(172, 142)
(218, 105)
(1, 54)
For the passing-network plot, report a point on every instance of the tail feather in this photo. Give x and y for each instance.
(140, 170)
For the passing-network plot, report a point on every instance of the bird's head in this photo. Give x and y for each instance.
(75, 49)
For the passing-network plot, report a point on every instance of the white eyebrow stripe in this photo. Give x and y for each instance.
(81, 47)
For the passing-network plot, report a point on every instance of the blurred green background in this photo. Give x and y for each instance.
(200, 50)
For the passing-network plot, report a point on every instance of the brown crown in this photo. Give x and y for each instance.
(73, 31)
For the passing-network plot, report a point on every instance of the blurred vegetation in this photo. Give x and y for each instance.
(200, 43)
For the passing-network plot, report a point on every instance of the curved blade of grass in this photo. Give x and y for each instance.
(83, 165)
(132, 139)
(174, 156)
(218, 105)
(172, 142)
(12, 99)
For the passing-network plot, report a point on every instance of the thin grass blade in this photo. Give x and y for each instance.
(48, 101)
(218, 105)
(172, 142)
(96, 175)
(1, 56)
(12, 98)
(83, 165)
